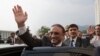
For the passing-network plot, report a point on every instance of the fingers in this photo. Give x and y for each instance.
(26, 14)
(90, 30)
(91, 27)
(19, 8)
(14, 10)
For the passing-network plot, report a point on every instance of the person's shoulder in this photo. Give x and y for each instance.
(66, 41)
(9, 37)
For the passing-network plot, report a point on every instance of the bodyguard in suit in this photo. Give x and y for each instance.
(73, 39)
(57, 31)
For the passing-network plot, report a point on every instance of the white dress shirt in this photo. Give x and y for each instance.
(59, 45)
(22, 30)
(74, 42)
(95, 41)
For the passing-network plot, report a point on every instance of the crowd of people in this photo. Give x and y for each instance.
(12, 39)
(57, 36)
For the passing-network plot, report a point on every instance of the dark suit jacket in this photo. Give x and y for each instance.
(9, 40)
(97, 51)
(86, 41)
(78, 42)
(33, 42)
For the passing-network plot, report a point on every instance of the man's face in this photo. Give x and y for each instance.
(97, 30)
(56, 35)
(73, 31)
(13, 34)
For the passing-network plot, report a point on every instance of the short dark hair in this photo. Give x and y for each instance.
(97, 25)
(73, 25)
(58, 25)
(12, 33)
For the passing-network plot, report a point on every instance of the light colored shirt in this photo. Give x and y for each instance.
(95, 41)
(59, 45)
(74, 42)
(22, 30)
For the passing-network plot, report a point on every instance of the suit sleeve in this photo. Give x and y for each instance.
(29, 40)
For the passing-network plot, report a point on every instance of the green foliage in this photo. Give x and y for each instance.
(84, 31)
(43, 30)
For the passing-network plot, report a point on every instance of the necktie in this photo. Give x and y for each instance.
(72, 43)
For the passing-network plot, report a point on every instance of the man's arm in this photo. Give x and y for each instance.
(29, 40)
(20, 18)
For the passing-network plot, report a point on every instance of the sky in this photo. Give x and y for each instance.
(47, 13)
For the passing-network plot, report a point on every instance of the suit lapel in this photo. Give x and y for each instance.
(67, 42)
(78, 42)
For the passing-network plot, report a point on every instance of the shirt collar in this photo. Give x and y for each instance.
(60, 44)
(74, 39)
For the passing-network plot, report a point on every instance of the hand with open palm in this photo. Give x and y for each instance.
(90, 30)
(20, 16)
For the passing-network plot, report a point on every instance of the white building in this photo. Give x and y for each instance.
(5, 34)
(97, 12)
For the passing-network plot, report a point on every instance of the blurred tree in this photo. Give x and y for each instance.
(43, 30)
(84, 31)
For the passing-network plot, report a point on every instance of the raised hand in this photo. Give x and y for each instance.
(20, 16)
(91, 30)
